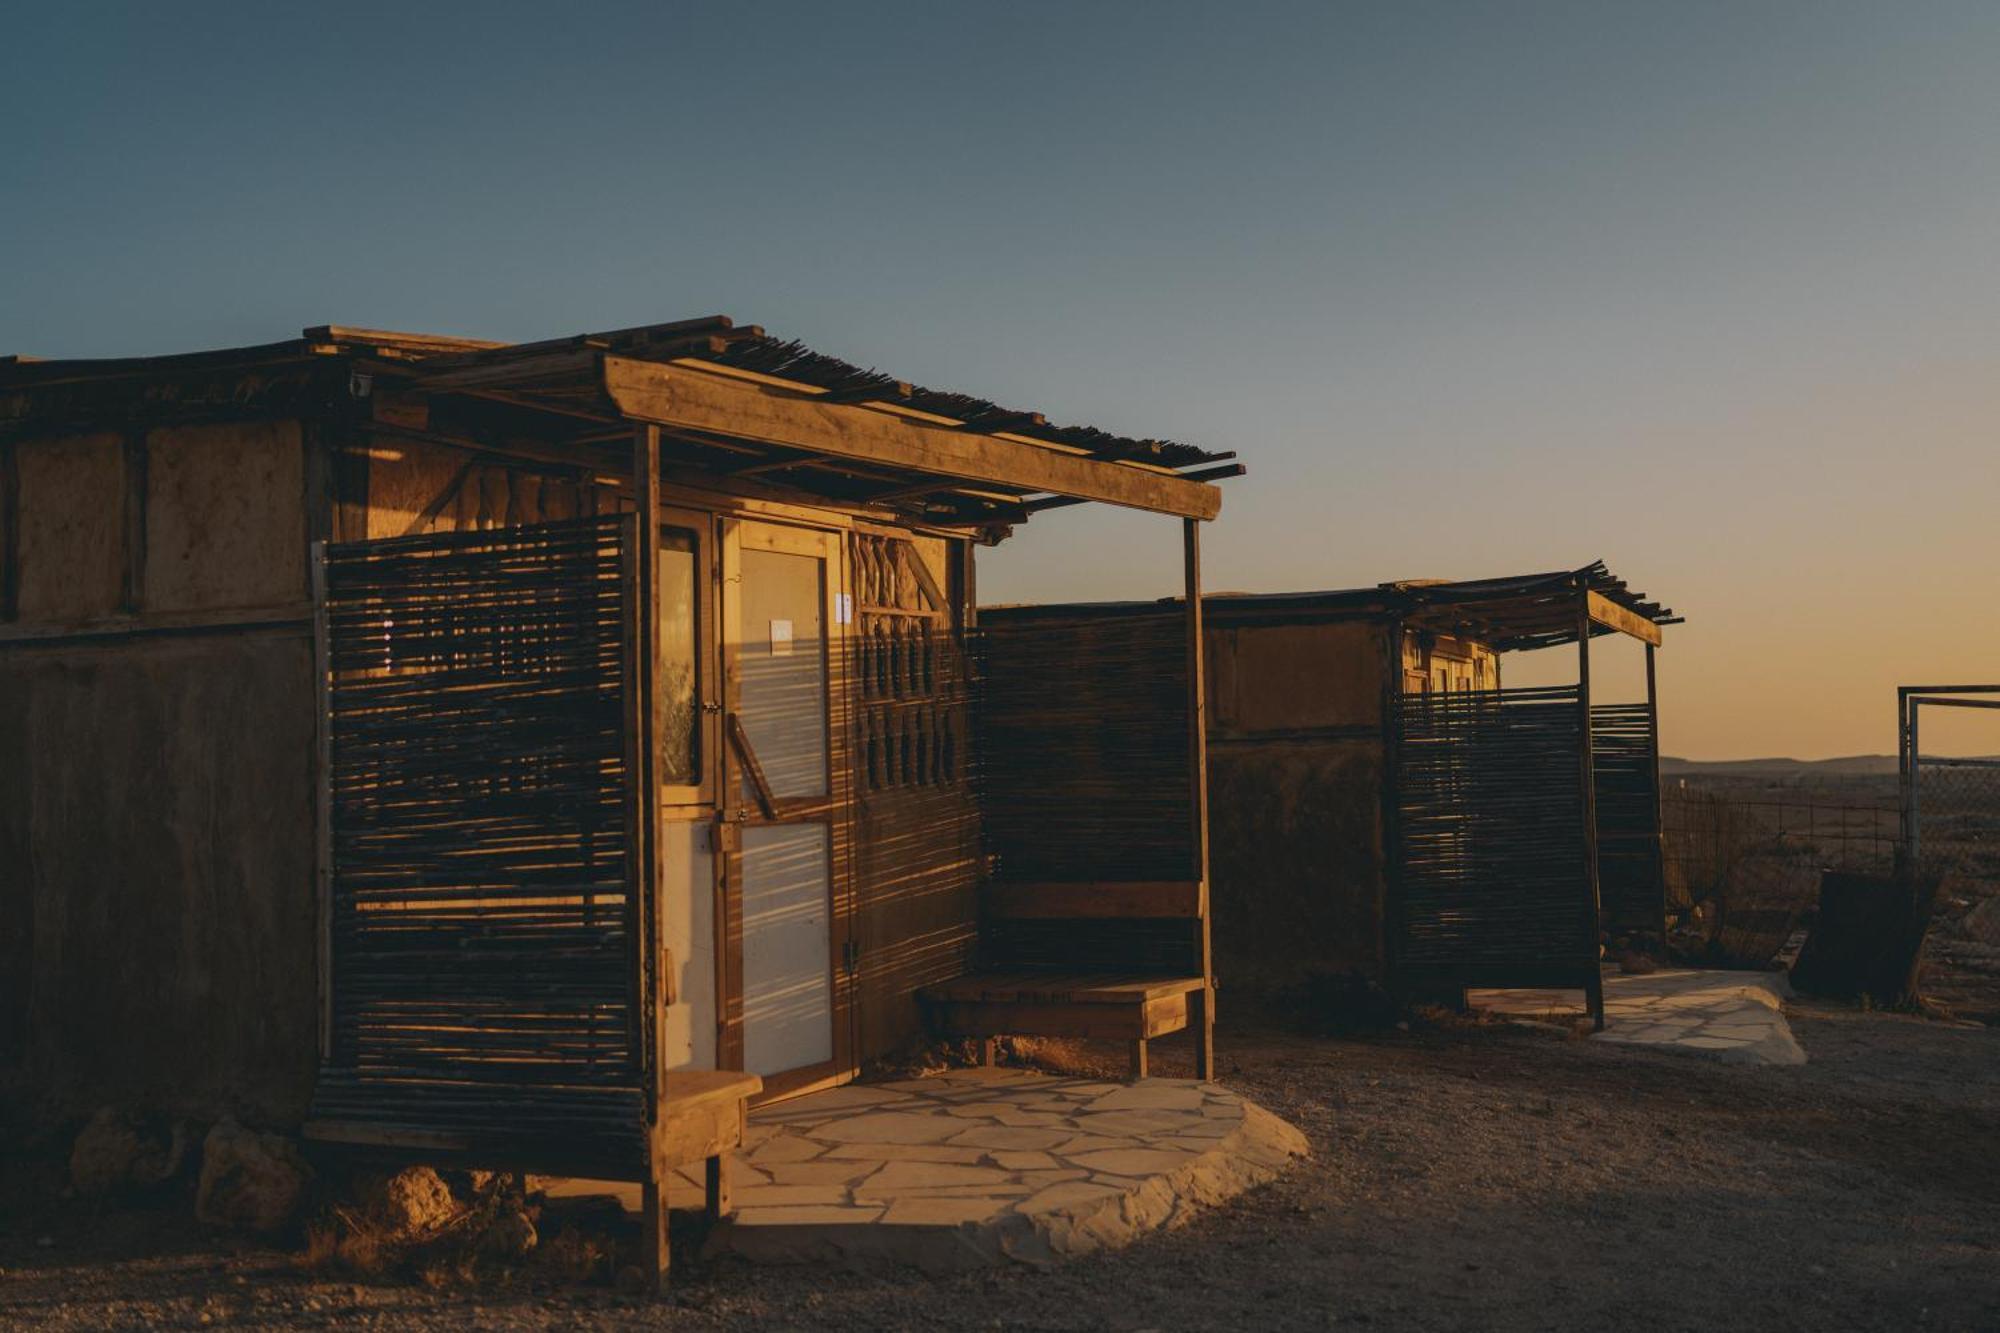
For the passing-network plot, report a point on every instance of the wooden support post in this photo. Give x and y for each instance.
(1137, 1069)
(989, 1054)
(1659, 828)
(1389, 811)
(322, 798)
(655, 1254)
(1201, 1015)
(1594, 983)
(651, 1023)
(719, 1205)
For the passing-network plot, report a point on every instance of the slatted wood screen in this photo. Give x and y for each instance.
(481, 949)
(909, 673)
(1083, 772)
(1491, 878)
(1632, 882)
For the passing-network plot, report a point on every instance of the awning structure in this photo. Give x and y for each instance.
(1521, 611)
(730, 400)
(1534, 610)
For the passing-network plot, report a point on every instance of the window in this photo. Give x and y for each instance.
(677, 707)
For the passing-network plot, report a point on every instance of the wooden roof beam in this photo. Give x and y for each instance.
(1603, 611)
(678, 396)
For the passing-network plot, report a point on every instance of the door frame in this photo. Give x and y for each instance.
(836, 810)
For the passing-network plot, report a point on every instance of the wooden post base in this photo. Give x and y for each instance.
(655, 1256)
(1201, 1018)
(1137, 1069)
(718, 1201)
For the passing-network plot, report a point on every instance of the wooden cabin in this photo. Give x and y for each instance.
(463, 748)
(1384, 809)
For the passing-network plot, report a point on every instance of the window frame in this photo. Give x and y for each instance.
(708, 728)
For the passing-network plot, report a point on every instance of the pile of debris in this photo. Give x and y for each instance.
(415, 1221)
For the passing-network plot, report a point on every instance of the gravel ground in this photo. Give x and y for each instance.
(1466, 1177)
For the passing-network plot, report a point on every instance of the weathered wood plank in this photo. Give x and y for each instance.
(1135, 899)
(689, 399)
(1605, 612)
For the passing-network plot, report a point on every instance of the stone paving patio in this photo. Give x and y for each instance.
(1735, 1017)
(976, 1167)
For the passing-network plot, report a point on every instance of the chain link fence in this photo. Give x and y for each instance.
(1955, 834)
(1743, 861)
(1743, 852)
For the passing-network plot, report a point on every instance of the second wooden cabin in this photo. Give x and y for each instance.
(1384, 809)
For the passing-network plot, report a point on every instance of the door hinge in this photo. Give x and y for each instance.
(850, 955)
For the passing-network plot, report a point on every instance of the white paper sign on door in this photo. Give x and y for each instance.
(781, 638)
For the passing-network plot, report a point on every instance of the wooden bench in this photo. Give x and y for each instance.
(706, 1113)
(1054, 1004)
(1044, 1001)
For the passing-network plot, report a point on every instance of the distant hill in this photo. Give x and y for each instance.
(1858, 765)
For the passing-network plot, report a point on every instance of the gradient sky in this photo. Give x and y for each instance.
(1711, 291)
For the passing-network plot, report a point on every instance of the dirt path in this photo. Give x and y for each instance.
(1476, 1178)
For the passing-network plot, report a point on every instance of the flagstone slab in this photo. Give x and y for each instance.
(885, 1127)
(1007, 1137)
(1150, 1097)
(974, 1168)
(1737, 1017)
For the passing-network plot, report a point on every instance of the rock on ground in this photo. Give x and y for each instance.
(413, 1202)
(249, 1180)
(115, 1151)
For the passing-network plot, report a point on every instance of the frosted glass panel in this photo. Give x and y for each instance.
(787, 947)
(781, 666)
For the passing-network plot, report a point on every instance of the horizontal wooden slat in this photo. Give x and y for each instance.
(1147, 898)
(482, 934)
(686, 1087)
(1060, 988)
(1153, 1018)
(1491, 866)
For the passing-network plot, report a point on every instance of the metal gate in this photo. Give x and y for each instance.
(1951, 806)
(481, 939)
(1493, 877)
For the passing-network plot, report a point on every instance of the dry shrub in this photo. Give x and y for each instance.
(922, 1057)
(348, 1244)
(576, 1256)
(1448, 1018)
(1073, 1057)
(353, 1242)
(321, 1252)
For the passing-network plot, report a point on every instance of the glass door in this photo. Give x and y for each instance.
(783, 801)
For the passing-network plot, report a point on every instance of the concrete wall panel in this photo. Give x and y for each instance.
(158, 839)
(1295, 856)
(225, 516)
(72, 517)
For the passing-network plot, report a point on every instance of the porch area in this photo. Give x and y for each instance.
(979, 1167)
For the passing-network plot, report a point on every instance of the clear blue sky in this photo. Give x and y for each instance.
(1708, 290)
